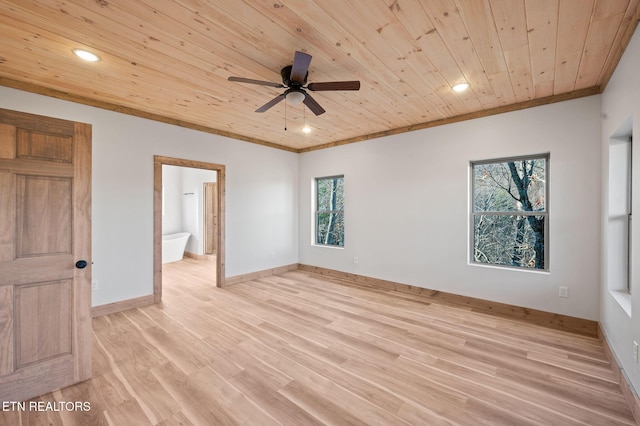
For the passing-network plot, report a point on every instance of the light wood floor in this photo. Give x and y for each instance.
(301, 349)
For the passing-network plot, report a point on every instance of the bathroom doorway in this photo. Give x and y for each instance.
(201, 201)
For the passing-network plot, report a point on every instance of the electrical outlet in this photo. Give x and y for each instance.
(635, 351)
(94, 285)
(355, 259)
(563, 291)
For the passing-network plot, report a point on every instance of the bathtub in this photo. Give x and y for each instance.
(173, 246)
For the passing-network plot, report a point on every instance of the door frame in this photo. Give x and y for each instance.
(158, 162)
(206, 215)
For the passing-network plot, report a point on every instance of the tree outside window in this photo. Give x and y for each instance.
(330, 211)
(510, 216)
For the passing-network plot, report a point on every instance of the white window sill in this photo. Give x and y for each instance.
(624, 300)
(328, 246)
(509, 268)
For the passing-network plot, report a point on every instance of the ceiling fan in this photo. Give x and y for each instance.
(294, 78)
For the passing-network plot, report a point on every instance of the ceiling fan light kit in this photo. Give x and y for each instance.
(294, 78)
(295, 97)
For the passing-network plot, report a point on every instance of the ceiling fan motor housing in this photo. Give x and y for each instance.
(286, 77)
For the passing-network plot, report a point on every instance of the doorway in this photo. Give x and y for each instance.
(216, 218)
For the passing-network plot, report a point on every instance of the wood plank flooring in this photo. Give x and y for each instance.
(301, 349)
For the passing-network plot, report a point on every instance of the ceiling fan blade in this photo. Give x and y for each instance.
(334, 85)
(251, 81)
(313, 105)
(271, 103)
(300, 67)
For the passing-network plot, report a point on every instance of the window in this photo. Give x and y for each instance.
(509, 212)
(619, 226)
(330, 211)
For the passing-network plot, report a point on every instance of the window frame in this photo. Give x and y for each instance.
(317, 211)
(473, 213)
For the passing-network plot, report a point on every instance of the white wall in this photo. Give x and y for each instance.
(172, 203)
(621, 102)
(407, 206)
(261, 193)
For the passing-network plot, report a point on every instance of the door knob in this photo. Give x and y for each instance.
(81, 264)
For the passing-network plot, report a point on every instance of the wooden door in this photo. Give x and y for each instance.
(210, 217)
(45, 228)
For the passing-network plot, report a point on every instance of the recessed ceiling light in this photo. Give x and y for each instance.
(86, 55)
(461, 87)
(306, 129)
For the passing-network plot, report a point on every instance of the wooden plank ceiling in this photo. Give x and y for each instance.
(170, 59)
